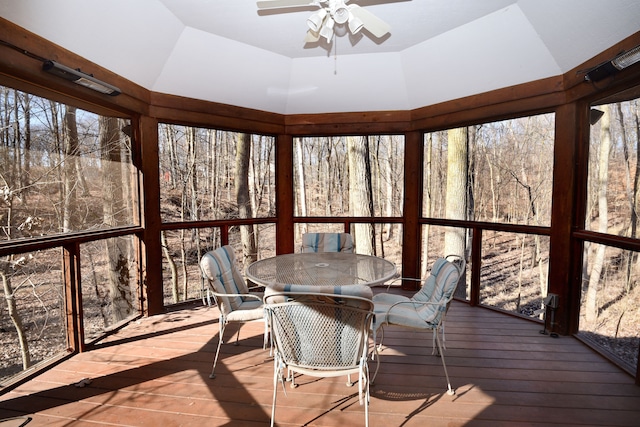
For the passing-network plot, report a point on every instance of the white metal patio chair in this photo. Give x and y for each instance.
(425, 292)
(321, 332)
(231, 294)
(426, 310)
(327, 242)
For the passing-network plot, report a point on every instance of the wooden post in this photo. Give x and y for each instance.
(284, 194)
(151, 248)
(567, 210)
(73, 297)
(411, 229)
(476, 266)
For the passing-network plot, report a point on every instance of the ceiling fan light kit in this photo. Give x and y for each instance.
(333, 17)
(355, 24)
(315, 21)
(327, 30)
(339, 13)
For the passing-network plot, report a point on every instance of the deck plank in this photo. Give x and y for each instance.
(155, 372)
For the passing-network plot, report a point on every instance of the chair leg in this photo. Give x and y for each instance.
(364, 389)
(450, 391)
(375, 356)
(436, 350)
(381, 339)
(276, 374)
(238, 335)
(366, 408)
(434, 347)
(212, 375)
(444, 340)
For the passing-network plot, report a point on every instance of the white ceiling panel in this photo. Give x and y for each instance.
(230, 52)
(575, 30)
(367, 82)
(225, 72)
(130, 38)
(498, 50)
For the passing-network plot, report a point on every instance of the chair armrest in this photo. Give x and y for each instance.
(249, 295)
(416, 303)
(396, 279)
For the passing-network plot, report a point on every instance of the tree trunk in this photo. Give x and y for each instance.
(456, 197)
(184, 263)
(16, 142)
(591, 302)
(10, 181)
(191, 191)
(456, 200)
(26, 179)
(70, 169)
(302, 197)
(636, 176)
(360, 197)
(119, 286)
(243, 152)
(16, 319)
(428, 204)
(632, 194)
(214, 175)
(331, 185)
(172, 267)
(390, 200)
(629, 186)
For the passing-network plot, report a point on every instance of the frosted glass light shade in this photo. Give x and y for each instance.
(355, 24)
(327, 30)
(315, 21)
(341, 15)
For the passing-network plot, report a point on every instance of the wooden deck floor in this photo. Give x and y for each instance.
(155, 373)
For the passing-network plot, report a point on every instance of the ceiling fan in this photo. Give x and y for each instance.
(332, 14)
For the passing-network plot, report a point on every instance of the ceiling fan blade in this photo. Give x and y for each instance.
(270, 4)
(372, 23)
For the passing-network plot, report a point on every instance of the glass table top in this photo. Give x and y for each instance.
(322, 269)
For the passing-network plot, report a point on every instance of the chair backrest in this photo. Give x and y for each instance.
(327, 242)
(219, 268)
(438, 290)
(326, 331)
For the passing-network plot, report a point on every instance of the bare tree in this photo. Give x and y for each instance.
(456, 196)
(456, 200)
(360, 192)
(302, 196)
(11, 191)
(175, 293)
(631, 181)
(70, 171)
(591, 302)
(114, 210)
(243, 152)
(428, 202)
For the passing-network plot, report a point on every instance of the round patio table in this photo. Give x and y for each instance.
(322, 269)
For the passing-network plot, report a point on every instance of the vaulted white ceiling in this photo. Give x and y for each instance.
(228, 51)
